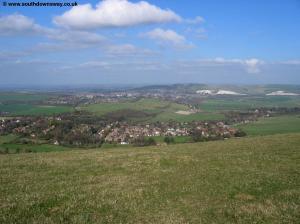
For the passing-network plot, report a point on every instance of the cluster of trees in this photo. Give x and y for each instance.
(142, 141)
(198, 137)
(169, 140)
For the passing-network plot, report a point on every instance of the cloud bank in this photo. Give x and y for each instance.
(167, 36)
(18, 24)
(115, 13)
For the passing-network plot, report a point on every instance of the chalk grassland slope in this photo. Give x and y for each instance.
(247, 180)
(245, 103)
(273, 125)
(154, 110)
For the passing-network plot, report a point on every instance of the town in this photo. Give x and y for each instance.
(72, 130)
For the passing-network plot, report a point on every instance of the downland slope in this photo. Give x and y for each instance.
(246, 180)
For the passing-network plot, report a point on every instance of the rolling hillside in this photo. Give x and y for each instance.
(247, 180)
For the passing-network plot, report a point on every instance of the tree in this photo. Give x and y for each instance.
(197, 135)
(151, 141)
(142, 141)
(240, 133)
(169, 140)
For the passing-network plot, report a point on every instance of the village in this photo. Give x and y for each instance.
(65, 131)
(84, 129)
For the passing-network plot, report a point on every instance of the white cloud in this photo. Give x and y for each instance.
(251, 65)
(75, 36)
(196, 20)
(291, 62)
(95, 64)
(122, 65)
(115, 13)
(199, 33)
(127, 50)
(10, 55)
(18, 24)
(167, 37)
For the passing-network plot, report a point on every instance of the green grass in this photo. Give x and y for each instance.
(7, 138)
(165, 116)
(246, 180)
(273, 125)
(23, 148)
(7, 145)
(28, 109)
(244, 103)
(158, 110)
(177, 139)
(22, 96)
(147, 105)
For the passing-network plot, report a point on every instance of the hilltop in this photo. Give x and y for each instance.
(247, 180)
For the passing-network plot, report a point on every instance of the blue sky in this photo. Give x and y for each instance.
(166, 41)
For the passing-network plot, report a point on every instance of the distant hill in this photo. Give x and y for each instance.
(242, 89)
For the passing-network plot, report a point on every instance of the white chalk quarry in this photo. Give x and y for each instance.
(281, 93)
(217, 92)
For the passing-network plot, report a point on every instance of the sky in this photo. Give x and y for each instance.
(151, 42)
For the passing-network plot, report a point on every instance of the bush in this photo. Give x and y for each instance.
(142, 141)
(151, 141)
(6, 150)
(197, 136)
(169, 140)
(27, 150)
(240, 133)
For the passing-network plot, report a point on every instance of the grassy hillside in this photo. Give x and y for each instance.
(247, 180)
(273, 125)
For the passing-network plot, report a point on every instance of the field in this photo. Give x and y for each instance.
(22, 104)
(28, 109)
(273, 125)
(247, 180)
(177, 139)
(22, 97)
(7, 144)
(245, 103)
(203, 116)
(147, 105)
(153, 109)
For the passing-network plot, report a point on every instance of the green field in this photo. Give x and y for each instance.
(157, 110)
(245, 103)
(147, 105)
(7, 138)
(247, 180)
(273, 125)
(177, 139)
(165, 116)
(28, 109)
(7, 145)
(25, 97)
